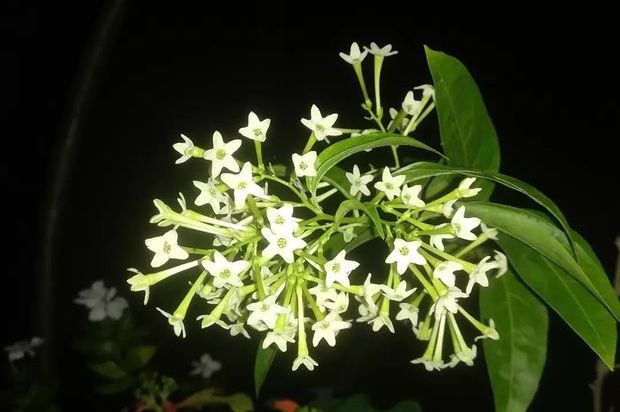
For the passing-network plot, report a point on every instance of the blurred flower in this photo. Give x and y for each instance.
(101, 302)
(19, 349)
(206, 366)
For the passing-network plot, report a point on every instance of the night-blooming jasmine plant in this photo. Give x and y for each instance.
(281, 262)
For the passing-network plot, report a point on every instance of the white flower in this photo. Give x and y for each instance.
(410, 196)
(393, 113)
(304, 164)
(479, 274)
(410, 105)
(348, 233)
(265, 312)
(165, 247)
(19, 349)
(370, 290)
(380, 51)
(209, 194)
(243, 185)
(184, 149)
(464, 189)
(405, 253)
(239, 329)
(139, 283)
(206, 366)
(280, 338)
(328, 328)
(465, 355)
(390, 185)
(358, 182)
(283, 244)
(175, 321)
(489, 333)
(501, 262)
(437, 240)
(225, 272)
(408, 312)
(448, 301)
(429, 364)
(221, 155)
(256, 128)
(338, 270)
(490, 232)
(208, 320)
(101, 302)
(445, 272)
(281, 220)
(399, 293)
(321, 126)
(338, 304)
(367, 311)
(306, 360)
(427, 90)
(323, 294)
(448, 208)
(463, 225)
(380, 321)
(355, 55)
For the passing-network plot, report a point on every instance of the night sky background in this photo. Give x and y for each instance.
(178, 67)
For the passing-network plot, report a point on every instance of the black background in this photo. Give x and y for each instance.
(549, 81)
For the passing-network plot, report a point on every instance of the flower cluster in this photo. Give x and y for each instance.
(280, 264)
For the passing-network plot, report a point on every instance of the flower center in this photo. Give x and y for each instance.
(225, 274)
(404, 251)
(279, 220)
(258, 132)
(281, 243)
(242, 185)
(320, 127)
(220, 154)
(336, 267)
(389, 186)
(167, 247)
(303, 165)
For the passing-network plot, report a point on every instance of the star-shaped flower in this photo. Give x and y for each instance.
(408, 312)
(256, 128)
(242, 185)
(328, 328)
(399, 293)
(323, 294)
(265, 312)
(390, 185)
(321, 126)
(206, 366)
(448, 301)
(306, 360)
(380, 321)
(437, 240)
(175, 321)
(221, 155)
(358, 182)
(384, 51)
(463, 225)
(339, 304)
(165, 247)
(448, 208)
(209, 194)
(283, 244)
(19, 349)
(355, 55)
(224, 272)
(338, 270)
(184, 148)
(479, 274)
(139, 283)
(281, 220)
(490, 232)
(445, 272)
(410, 105)
(102, 302)
(410, 196)
(304, 164)
(501, 262)
(464, 189)
(405, 253)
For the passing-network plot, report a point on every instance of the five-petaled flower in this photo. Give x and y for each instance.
(304, 164)
(165, 247)
(221, 155)
(390, 185)
(338, 270)
(321, 126)
(206, 366)
(358, 182)
(256, 128)
(405, 253)
(242, 185)
(225, 273)
(102, 302)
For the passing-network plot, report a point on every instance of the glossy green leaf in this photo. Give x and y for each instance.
(580, 310)
(467, 133)
(353, 204)
(138, 357)
(264, 359)
(515, 362)
(541, 235)
(343, 149)
(109, 369)
(337, 178)
(424, 170)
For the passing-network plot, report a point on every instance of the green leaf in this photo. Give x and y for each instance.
(467, 133)
(515, 362)
(264, 359)
(579, 309)
(237, 402)
(137, 357)
(109, 369)
(424, 170)
(353, 204)
(337, 178)
(541, 235)
(339, 151)
(361, 403)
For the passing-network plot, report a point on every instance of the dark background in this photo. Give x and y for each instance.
(550, 86)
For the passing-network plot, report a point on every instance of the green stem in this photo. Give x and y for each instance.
(378, 65)
(311, 141)
(259, 154)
